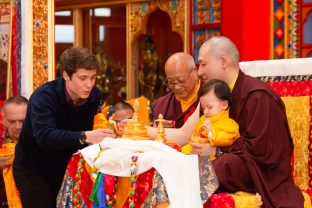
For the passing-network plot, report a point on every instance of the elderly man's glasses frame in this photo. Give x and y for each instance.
(178, 82)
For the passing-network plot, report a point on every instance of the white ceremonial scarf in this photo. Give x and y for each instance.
(180, 172)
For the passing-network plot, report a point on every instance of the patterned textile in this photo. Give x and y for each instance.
(296, 93)
(72, 188)
(77, 185)
(144, 186)
(5, 8)
(243, 199)
(16, 47)
(222, 200)
(297, 110)
(293, 78)
(158, 193)
(208, 184)
(307, 199)
(10, 32)
(285, 29)
(296, 89)
(293, 88)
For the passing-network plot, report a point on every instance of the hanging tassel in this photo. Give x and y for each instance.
(98, 195)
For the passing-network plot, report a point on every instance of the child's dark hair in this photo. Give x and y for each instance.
(122, 105)
(221, 90)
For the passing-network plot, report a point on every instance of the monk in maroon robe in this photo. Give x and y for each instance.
(259, 161)
(181, 102)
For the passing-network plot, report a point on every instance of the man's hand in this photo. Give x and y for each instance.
(6, 161)
(97, 135)
(203, 149)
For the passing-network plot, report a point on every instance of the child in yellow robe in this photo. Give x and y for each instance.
(214, 126)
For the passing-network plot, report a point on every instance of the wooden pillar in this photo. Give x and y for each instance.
(78, 24)
(247, 23)
(87, 22)
(131, 60)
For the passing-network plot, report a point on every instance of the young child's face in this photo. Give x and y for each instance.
(121, 115)
(211, 104)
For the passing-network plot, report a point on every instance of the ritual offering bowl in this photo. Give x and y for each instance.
(134, 129)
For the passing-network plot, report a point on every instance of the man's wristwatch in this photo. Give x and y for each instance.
(83, 138)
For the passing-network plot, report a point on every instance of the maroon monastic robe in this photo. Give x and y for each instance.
(259, 161)
(171, 109)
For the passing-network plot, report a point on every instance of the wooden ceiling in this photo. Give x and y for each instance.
(70, 4)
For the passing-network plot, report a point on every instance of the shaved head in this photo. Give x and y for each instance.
(222, 46)
(181, 75)
(14, 111)
(180, 61)
(218, 59)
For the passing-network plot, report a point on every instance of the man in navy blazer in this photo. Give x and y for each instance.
(58, 122)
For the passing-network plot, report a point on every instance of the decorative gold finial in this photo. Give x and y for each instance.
(160, 135)
(134, 129)
(135, 116)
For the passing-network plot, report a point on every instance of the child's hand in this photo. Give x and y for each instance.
(207, 125)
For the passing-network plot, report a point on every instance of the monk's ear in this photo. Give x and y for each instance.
(225, 104)
(224, 61)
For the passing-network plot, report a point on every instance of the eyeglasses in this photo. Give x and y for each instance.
(181, 83)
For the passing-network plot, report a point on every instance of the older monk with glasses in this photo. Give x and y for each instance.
(181, 102)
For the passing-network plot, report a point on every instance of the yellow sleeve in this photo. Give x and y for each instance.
(199, 127)
(198, 131)
(187, 149)
(224, 132)
(100, 122)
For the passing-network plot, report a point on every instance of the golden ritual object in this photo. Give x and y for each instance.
(134, 129)
(198, 139)
(160, 135)
(200, 134)
(113, 126)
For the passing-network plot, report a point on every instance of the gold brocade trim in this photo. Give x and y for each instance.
(40, 42)
(244, 199)
(298, 115)
(307, 200)
(293, 78)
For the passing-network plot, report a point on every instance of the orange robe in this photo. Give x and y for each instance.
(10, 188)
